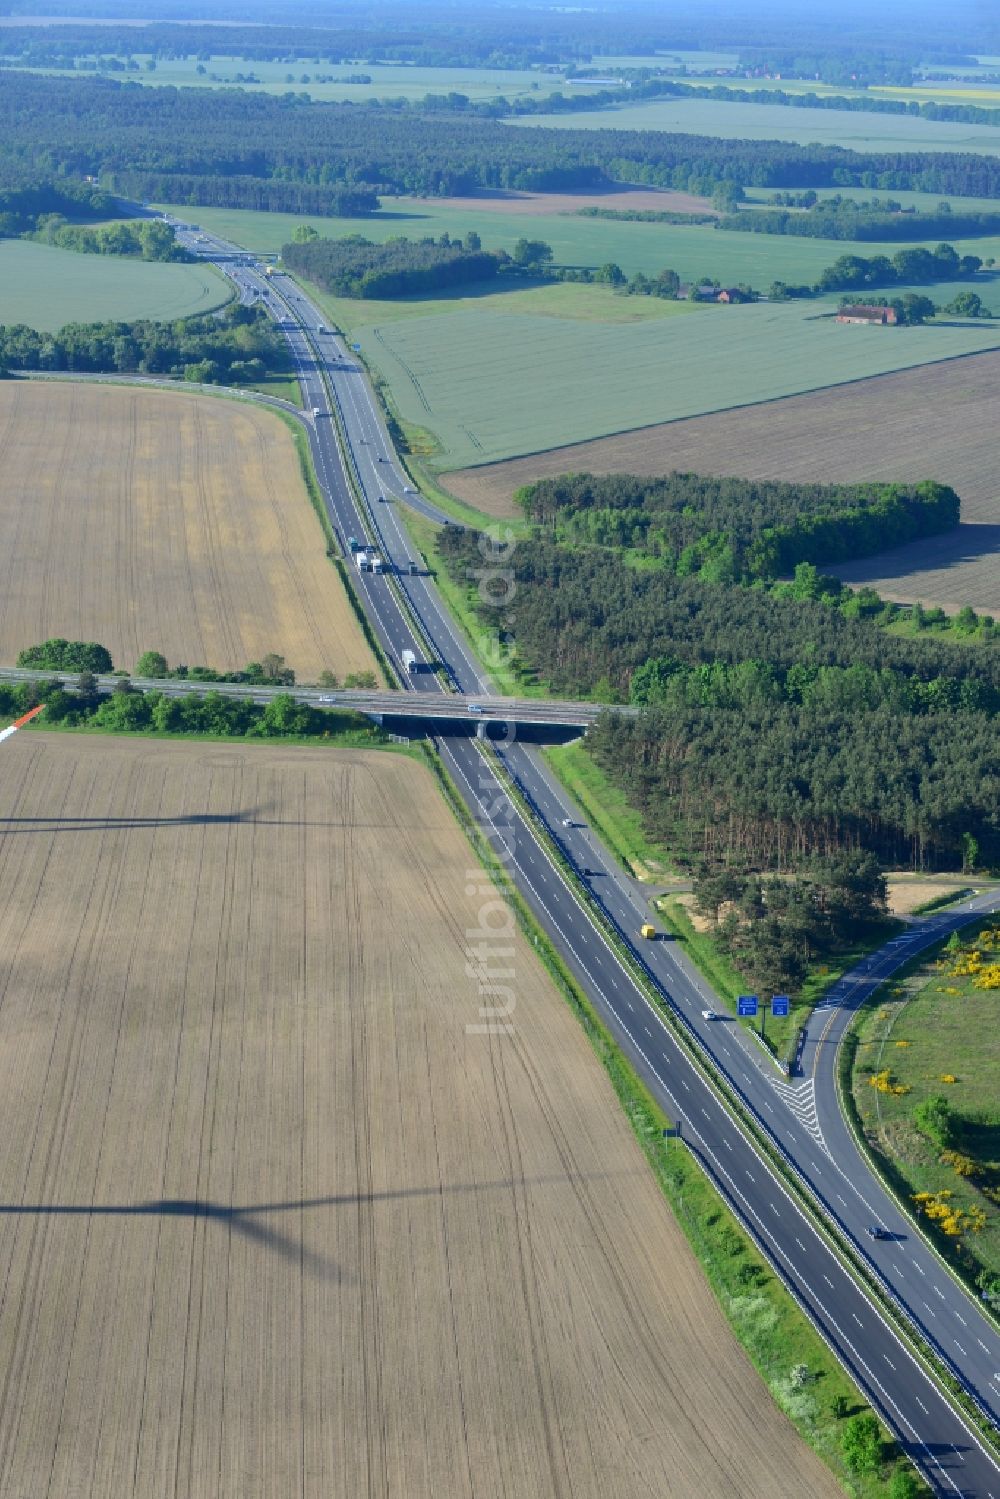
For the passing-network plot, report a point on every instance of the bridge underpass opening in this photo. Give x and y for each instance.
(498, 730)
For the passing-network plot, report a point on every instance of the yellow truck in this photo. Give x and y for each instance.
(648, 931)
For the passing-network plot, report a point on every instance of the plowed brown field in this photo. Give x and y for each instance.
(271, 1222)
(938, 422)
(153, 521)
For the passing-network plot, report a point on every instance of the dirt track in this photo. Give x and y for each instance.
(937, 422)
(273, 1223)
(149, 520)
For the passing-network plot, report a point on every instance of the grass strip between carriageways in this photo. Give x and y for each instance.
(607, 808)
(770, 1150)
(761, 1309)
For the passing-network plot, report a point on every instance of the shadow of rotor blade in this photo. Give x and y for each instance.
(289, 1249)
(396, 1194)
(9, 826)
(198, 1207)
(242, 1221)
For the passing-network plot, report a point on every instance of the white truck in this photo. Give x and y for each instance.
(378, 565)
(361, 558)
(410, 661)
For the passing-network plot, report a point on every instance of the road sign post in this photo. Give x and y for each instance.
(779, 1007)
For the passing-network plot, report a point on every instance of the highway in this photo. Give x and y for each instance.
(799, 1113)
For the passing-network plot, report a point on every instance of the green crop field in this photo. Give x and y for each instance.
(692, 251)
(46, 288)
(581, 303)
(492, 383)
(780, 122)
(389, 81)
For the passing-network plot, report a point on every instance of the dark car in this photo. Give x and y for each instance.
(876, 1231)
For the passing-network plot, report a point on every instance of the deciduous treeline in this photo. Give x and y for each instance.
(738, 529)
(843, 218)
(128, 712)
(354, 267)
(241, 345)
(27, 197)
(144, 239)
(855, 272)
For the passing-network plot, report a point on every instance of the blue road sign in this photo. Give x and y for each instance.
(780, 1005)
(746, 1004)
(356, 348)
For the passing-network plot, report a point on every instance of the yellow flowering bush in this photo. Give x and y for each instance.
(968, 961)
(884, 1082)
(948, 1077)
(962, 1165)
(950, 1218)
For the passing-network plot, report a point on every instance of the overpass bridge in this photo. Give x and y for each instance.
(418, 711)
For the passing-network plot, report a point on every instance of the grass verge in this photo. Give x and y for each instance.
(459, 601)
(939, 902)
(607, 808)
(776, 1334)
(465, 515)
(283, 388)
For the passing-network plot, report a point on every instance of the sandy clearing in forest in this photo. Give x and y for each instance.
(273, 1223)
(149, 520)
(934, 422)
(907, 893)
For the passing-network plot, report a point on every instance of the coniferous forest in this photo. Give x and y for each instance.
(781, 721)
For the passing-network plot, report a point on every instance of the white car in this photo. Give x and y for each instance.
(709, 1015)
(567, 822)
(408, 489)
